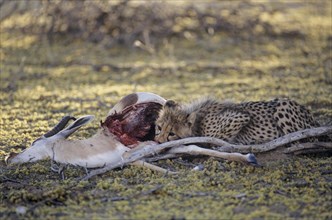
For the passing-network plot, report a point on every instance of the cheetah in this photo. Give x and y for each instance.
(237, 123)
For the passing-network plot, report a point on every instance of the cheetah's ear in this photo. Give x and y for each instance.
(170, 104)
(191, 119)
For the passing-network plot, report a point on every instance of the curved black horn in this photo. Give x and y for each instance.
(64, 121)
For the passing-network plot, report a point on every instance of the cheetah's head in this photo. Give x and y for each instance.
(173, 123)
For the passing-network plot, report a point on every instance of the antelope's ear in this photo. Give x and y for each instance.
(75, 125)
(170, 104)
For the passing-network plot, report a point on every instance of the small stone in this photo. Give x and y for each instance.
(21, 210)
(199, 167)
(241, 195)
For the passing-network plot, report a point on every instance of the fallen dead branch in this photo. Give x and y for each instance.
(286, 139)
(154, 149)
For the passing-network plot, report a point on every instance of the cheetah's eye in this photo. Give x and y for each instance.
(171, 134)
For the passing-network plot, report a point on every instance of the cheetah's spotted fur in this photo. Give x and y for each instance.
(245, 123)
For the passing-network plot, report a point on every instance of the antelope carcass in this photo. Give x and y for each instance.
(129, 124)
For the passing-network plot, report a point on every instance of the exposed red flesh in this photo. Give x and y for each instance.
(134, 124)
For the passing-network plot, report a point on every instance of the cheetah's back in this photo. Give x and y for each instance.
(272, 119)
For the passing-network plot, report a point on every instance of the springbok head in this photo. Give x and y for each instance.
(128, 123)
(41, 148)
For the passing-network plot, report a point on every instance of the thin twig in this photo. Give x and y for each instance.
(7, 179)
(161, 157)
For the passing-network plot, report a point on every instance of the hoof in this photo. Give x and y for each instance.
(251, 159)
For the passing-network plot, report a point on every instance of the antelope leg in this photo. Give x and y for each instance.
(152, 167)
(195, 150)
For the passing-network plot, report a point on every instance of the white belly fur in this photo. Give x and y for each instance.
(100, 160)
